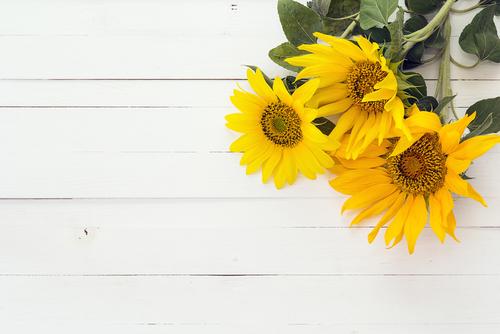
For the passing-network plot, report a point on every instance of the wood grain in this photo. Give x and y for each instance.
(122, 211)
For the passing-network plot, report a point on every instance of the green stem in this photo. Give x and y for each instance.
(433, 58)
(350, 28)
(455, 62)
(441, 15)
(443, 87)
(342, 18)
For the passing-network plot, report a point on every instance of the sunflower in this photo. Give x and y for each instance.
(278, 133)
(355, 82)
(411, 181)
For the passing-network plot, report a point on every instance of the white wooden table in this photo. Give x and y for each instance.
(122, 210)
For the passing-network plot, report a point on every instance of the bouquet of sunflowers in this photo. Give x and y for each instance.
(354, 108)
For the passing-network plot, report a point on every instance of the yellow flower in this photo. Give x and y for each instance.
(412, 180)
(357, 83)
(278, 134)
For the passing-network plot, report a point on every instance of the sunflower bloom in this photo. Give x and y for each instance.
(278, 134)
(357, 84)
(411, 182)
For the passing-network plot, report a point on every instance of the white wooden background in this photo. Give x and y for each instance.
(122, 210)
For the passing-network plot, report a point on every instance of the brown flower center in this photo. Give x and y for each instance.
(421, 169)
(281, 124)
(360, 81)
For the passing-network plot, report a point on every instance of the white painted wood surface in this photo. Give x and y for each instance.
(122, 210)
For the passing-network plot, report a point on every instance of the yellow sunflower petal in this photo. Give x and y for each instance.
(415, 223)
(280, 174)
(423, 122)
(246, 142)
(474, 147)
(397, 225)
(306, 91)
(404, 143)
(375, 209)
(328, 95)
(461, 187)
(457, 165)
(335, 74)
(335, 107)
(331, 54)
(345, 122)
(451, 225)
(389, 83)
(324, 159)
(247, 104)
(389, 214)
(343, 46)
(270, 164)
(370, 49)
(358, 180)
(362, 162)
(436, 218)
(260, 86)
(446, 200)
(369, 196)
(378, 95)
(450, 134)
(281, 91)
(302, 165)
(396, 107)
(290, 167)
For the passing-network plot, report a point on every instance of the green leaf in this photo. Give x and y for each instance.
(436, 40)
(375, 13)
(283, 51)
(443, 103)
(481, 128)
(427, 103)
(320, 6)
(491, 2)
(480, 36)
(393, 52)
(268, 80)
(416, 87)
(414, 56)
(423, 6)
(378, 35)
(298, 22)
(414, 23)
(338, 9)
(484, 109)
(334, 27)
(291, 83)
(324, 125)
(341, 8)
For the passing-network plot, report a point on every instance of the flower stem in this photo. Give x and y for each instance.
(433, 58)
(352, 16)
(441, 15)
(455, 62)
(350, 28)
(443, 86)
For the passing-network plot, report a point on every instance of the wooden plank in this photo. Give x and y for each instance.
(163, 174)
(153, 327)
(206, 213)
(142, 129)
(164, 93)
(152, 17)
(152, 57)
(221, 237)
(301, 304)
(146, 39)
